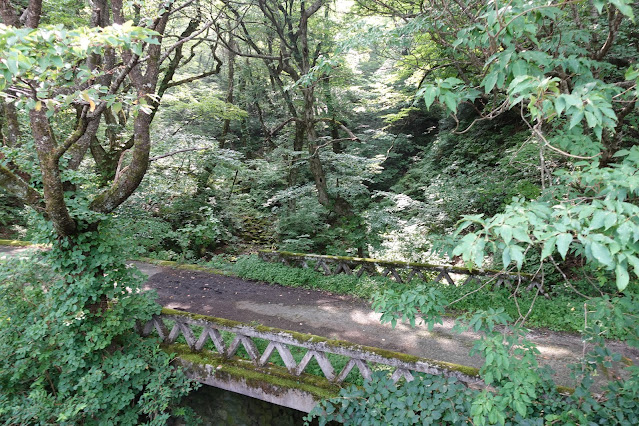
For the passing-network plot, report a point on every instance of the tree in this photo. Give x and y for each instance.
(291, 51)
(64, 84)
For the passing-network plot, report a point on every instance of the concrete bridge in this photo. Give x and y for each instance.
(275, 365)
(295, 369)
(287, 368)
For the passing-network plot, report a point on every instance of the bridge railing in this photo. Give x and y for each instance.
(204, 333)
(402, 272)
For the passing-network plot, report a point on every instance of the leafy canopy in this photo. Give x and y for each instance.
(52, 58)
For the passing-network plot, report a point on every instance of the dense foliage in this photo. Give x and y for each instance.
(483, 133)
(70, 352)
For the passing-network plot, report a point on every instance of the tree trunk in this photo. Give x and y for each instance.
(226, 125)
(338, 205)
(12, 134)
(79, 150)
(56, 207)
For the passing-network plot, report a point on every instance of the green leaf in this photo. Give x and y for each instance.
(560, 105)
(12, 65)
(521, 235)
(505, 257)
(599, 4)
(591, 119)
(136, 48)
(450, 101)
(549, 247)
(479, 252)
(634, 261)
(563, 242)
(576, 118)
(610, 221)
(506, 233)
(57, 61)
(519, 68)
(117, 107)
(622, 277)
(624, 7)
(430, 93)
(598, 219)
(517, 254)
(601, 253)
(632, 73)
(520, 407)
(490, 80)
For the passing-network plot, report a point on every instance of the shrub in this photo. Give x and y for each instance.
(70, 353)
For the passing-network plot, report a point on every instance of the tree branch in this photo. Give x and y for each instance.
(341, 126)
(614, 20)
(75, 136)
(179, 151)
(277, 129)
(217, 69)
(21, 189)
(166, 54)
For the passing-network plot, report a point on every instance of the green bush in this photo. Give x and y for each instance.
(11, 213)
(69, 351)
(426, 400)
(561, 312)
(450, 178)
(519, 391)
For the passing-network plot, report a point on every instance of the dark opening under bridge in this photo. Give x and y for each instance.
(271, 364)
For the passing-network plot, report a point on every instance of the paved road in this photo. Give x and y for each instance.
(337, 317)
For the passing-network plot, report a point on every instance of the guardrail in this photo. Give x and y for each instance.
(402, 272)
(319, 348)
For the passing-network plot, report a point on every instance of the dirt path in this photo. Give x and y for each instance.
(335, 316)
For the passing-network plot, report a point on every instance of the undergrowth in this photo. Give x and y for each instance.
(251, 267)
(561, 312)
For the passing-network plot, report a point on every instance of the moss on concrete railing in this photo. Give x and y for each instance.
(398, 270)
(210, 358)
(282, 340)
(14, 243)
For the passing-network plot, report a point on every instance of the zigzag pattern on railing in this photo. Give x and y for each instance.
(402, 272)
(362, 357)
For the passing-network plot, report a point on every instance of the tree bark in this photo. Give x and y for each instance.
(336, 204)
(145, 84)
(131, 176)
(56, 207)
(12, 133)
(226, 125)
(79, 149)
(8, 14)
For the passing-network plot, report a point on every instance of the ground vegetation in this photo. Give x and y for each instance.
(484, 134)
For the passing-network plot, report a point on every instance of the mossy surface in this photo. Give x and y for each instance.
(257, 377)
(15, 243)
(449, 268)
(310, 338)
(565, 390)
(183, 266)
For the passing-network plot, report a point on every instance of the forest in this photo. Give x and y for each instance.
(483, 134)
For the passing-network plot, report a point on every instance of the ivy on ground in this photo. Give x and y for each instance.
(67, 340)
